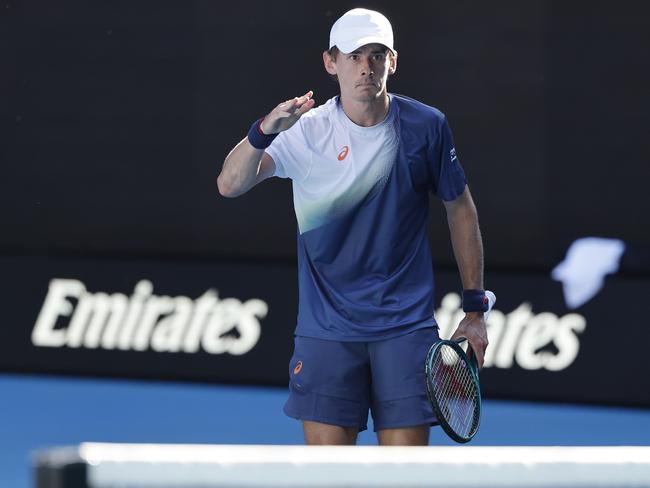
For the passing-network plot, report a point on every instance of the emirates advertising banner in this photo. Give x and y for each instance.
(144, 319)
(552, 336)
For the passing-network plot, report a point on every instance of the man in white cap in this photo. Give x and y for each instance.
(362, 166)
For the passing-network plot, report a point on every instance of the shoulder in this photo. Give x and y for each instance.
(414, 111)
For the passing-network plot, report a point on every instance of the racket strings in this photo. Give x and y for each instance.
(455, 391)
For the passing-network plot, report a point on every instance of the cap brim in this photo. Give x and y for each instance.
(347, 47)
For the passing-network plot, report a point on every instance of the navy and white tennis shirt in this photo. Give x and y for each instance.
(361, 200)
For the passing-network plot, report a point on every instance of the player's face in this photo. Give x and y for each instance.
(362, 74)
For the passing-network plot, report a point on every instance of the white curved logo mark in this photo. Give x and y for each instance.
(585, 266)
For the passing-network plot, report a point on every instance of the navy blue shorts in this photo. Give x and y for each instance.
(338, 382)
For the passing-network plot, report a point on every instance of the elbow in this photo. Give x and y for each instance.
(225, 189)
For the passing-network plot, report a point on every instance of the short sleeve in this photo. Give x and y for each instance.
(291, 153)
(447, 176)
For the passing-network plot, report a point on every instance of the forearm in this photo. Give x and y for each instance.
(466, 241)
(468, 249)
(240, 170)
(246, 165)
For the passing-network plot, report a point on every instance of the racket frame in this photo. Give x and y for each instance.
(473, 368)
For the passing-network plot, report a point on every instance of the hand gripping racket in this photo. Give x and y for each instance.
(453, 386)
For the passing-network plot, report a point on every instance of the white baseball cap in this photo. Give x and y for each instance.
(358, 27)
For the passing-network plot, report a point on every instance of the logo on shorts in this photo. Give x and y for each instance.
(298, 368)
(344, 153)
(452, 154)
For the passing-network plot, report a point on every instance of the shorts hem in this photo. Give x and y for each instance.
(325, 420)
(394, 413)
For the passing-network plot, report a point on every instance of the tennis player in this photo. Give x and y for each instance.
(362, 166)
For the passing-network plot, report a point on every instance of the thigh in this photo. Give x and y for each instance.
(318, 434)
(405, 436)
(329, 383)
(399, 397)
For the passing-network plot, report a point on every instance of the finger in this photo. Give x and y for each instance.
(293, 105)
(458, 334)
(304, 97)
(306, 107)
(301, 103)
(288, 104)
(478, 352)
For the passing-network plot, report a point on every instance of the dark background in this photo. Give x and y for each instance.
(116, 117)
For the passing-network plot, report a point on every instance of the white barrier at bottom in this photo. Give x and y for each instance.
(193, 466)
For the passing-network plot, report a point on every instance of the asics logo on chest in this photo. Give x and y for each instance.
(344, 153)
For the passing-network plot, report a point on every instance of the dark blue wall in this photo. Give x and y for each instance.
(116, 117)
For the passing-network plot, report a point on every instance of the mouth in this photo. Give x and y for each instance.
(367, 83)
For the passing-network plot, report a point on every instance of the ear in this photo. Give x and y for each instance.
(392, 66)
(330, 64)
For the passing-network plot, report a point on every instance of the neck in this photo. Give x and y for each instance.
(366, 113)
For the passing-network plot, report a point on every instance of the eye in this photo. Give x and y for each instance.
(354, 57)
(379, 57)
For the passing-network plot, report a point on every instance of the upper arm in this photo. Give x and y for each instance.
(463, 201)
(266, 168)
(448, 179)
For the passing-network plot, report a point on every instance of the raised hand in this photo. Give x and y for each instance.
(287, 113)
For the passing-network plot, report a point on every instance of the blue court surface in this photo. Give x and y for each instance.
(37, 412)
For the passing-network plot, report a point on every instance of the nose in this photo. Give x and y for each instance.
(366, 68)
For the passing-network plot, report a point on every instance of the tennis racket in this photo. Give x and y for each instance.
(453, 387)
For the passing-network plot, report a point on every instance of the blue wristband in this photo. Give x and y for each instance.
(475, 301)
(257, 138)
